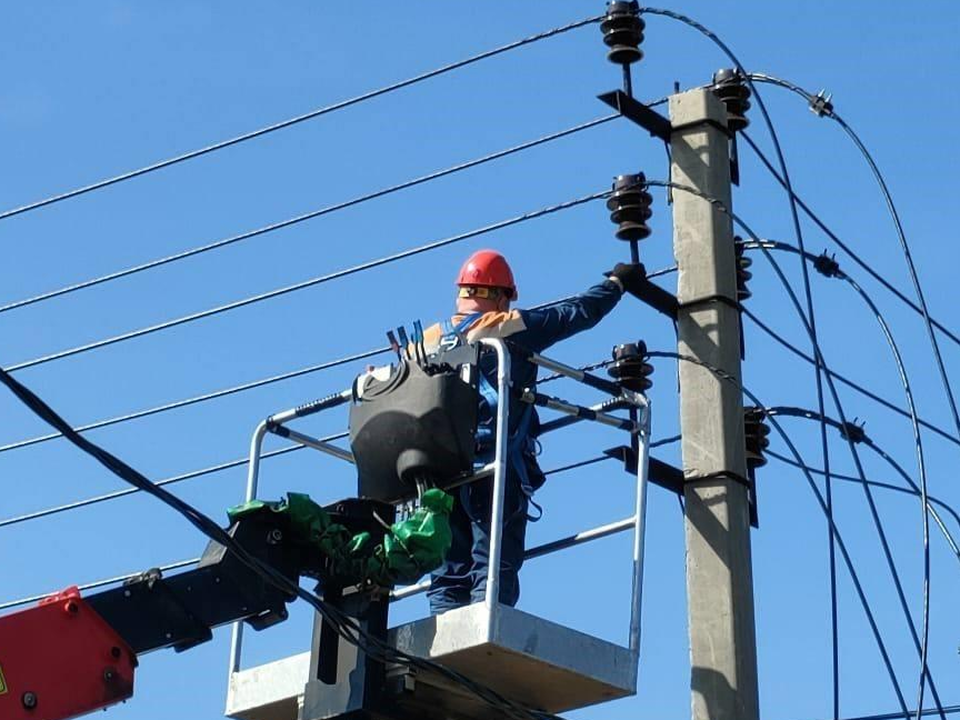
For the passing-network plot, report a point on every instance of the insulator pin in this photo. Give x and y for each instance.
(630, 207)
(623, 32)
(630, 367)
(728, 85)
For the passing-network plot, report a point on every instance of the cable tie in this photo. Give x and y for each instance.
(721, 475)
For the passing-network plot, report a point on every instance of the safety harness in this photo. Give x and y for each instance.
(519, 442)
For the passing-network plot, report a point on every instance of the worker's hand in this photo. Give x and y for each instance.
(630, 276)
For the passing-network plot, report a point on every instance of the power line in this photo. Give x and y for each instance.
(369, 265)
(329, 209)
(853, 255)
(99, 583)
(206, 397)
(843, 379)
(887, 486)
(928, 324)
(238, 462)
(160, 483)
(810, 319)
(878, 525)
(871, 504)
(848, 562)
(911, 267)
(948, 710)
(243, 387)
(345, 626)
(835, 271)
(299, 118)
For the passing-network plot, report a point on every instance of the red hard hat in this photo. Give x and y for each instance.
(487, 268)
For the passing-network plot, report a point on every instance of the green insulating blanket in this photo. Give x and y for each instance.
(410, 548)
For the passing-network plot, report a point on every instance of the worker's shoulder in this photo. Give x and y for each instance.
(496, 324)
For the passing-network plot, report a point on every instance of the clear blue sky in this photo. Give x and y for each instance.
(94, 89)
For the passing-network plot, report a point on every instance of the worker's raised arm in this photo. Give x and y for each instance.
(549, 325)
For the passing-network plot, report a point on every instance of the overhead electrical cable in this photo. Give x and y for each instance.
(230, 464)
(829, 112)
(99, 583)
(345, 626)
(833, 270)
(919, 642)
(205, 397)
(810, 319)
(243, 387)
(843, 379)
(841, 545)
(289, 222)
(299, 118)
(362, 267)
(925, 675)
(851, 253)
(948, 536)
(949, 710)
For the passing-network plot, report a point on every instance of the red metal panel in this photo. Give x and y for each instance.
(61, 659)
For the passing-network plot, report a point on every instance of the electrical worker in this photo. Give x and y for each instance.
(486, 289)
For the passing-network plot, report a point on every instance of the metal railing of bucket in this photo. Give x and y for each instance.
(276, 424)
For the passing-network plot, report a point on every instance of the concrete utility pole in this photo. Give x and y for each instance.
(723, 654)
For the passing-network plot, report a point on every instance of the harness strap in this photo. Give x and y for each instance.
(486, 432)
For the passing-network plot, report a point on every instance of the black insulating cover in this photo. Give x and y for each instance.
(413, 424)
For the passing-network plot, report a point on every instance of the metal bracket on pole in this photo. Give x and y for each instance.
(652, 121)
(667, 476)
(656, 297)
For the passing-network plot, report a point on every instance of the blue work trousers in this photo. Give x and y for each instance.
(462, 579)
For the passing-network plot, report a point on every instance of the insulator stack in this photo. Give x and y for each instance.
(630, 367)
(755, 432)
(623, 32)
(630, 207)
(743, 270)
(728, 85)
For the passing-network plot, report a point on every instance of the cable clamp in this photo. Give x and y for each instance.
(827, 265)
(820, 104)
(853, 432)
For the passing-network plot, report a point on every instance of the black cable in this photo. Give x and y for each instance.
(853, 255)
(811, 319)
(177, 404)
(205, 397)
(229, 465)
(915, 424)
(98, 584)
(944, 379)
(868, 442)
(345, 626)
(362, 267)
(329, 209)
(878, 525)
(843, 379)
(921, 468)
(950, 709)
(871, 504)
(193, 474)
(948, 536)
(858, 587)
(911, 267)
(300, 118)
